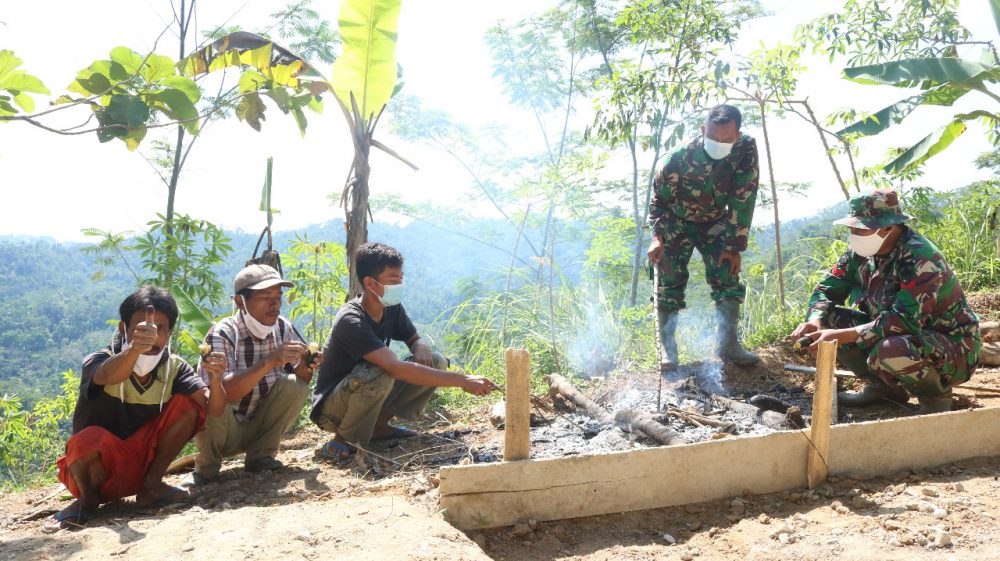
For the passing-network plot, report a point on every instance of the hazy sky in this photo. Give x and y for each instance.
(54, 185)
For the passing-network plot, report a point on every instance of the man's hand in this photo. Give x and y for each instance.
(422, 353)
(317, 359)
(144, 337)
(839, 336)
(655, 251)
(214, 365)
(478, 385)
(733, 257)
(287, 353)
(806, 328)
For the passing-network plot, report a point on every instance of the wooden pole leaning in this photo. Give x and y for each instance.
(517, 424)
(819, 452)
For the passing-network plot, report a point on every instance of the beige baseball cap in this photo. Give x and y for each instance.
(258, 277)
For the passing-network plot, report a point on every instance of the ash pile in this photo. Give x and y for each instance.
(690, 406)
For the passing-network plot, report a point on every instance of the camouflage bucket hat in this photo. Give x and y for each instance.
(877, 209)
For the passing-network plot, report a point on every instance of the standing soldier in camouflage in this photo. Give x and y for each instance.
(913, 331)
(704, 199)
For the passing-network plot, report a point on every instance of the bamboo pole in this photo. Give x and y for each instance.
(517, 440)
(817, 469)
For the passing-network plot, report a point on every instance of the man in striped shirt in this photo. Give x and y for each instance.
(267, 376)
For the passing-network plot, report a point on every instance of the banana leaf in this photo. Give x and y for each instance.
(923, 72)
(929, 146)
(243, 48)
(367, 66)
(995, 6)
(945, 94)
(198, 318)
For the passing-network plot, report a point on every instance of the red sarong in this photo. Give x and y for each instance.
(125, 461)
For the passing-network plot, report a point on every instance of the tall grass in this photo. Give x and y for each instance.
(963, 224)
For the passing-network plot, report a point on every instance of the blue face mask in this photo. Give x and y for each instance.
(392, 294)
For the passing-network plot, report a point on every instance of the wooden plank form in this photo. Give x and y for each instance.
(517, 424)
(500, 494)
(819, 450)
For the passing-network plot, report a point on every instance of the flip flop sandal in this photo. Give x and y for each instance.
(338, 453)
(172, 496)
(67, 520)
(398, 432)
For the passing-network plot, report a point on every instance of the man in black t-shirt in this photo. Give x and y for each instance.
(139, 404)
(362, 384)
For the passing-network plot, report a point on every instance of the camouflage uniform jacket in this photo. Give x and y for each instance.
(699, 189)
(909, 291)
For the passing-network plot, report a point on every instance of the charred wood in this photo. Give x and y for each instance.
(770, 419)
(632, 421)
(560, 389)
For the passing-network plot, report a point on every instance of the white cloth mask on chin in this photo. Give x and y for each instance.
(145, 364)
(257, 329)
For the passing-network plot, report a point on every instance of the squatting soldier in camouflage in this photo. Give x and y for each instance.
(913, 329)
(704, 199)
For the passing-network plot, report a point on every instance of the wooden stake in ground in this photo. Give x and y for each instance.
(816, 465)
(517, 440)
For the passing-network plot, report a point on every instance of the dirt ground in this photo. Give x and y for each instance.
(386, 506)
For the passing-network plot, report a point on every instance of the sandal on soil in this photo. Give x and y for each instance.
(63, 519)
(398, 432)
(337, 452)
(172, 496)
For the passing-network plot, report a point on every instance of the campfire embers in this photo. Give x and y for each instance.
(694, 410)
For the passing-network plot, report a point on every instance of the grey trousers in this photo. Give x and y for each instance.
(354, 406)
(258, 436)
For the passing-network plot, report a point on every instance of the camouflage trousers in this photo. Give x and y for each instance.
(680, 239)
(926, 364)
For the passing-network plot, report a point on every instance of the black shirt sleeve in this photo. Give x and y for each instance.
(355, 336)
(187, 380)
(403, 328)
(91, 362)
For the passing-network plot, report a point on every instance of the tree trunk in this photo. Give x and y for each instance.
(175, 171)
(829, 155)
(637, 218)
(356, 219)
(777, 220)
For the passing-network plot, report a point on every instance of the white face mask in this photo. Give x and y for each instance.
(257, 329)
(392, 294)
(866, 246)
(717, 150)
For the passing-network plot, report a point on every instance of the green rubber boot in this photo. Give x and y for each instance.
(874, 392)
(856, 360)
(934, 403)
(667, 320)
(727, 313)
(931, 392)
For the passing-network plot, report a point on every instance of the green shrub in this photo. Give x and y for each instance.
(32, 441)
